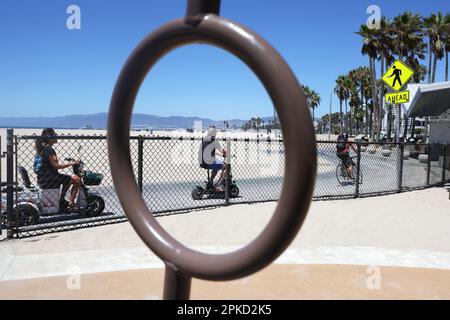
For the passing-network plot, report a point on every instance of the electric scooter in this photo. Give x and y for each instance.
(33, 202)
(210, 191)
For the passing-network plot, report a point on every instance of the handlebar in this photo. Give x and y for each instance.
(72, 160)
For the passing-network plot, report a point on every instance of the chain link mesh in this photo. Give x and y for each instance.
(167, 172)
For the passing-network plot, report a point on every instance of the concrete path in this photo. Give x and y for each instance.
(408, 230)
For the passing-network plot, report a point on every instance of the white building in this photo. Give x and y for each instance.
(433, 101)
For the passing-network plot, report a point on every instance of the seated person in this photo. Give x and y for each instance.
(48, 176)
(209, 148)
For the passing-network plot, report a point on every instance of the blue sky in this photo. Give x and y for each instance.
(48, 70)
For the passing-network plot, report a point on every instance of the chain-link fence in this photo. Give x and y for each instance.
(2, 190)
(168, 174)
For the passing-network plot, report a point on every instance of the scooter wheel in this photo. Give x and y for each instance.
(26, 215)
(197, 193)
(234, 191)
(96, 205)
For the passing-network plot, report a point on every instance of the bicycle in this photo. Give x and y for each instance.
(343, 176)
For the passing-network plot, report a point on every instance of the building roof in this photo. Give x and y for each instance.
(428, 99)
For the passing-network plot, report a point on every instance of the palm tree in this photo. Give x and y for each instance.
(312, 98)
(348, 87)
(362, 78)
(370, 48)
(355, 104)
(435, 28)
(407, 32)
(447, 43)
(361, 82)
(339, 90)
(385, 48)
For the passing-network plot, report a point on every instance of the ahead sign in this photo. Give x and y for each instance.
(397, 97)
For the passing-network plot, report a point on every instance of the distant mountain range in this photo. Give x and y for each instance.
(99, 121)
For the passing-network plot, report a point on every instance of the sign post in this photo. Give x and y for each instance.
(396, 77)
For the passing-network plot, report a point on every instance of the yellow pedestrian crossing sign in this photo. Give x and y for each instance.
(398, 75)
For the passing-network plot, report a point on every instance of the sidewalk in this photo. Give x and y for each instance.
(339, 239)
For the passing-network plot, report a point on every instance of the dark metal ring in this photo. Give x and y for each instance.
(298, 134)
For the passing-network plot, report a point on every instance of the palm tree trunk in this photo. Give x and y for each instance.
(371, 117)
(366, 127)
(351, 121)
(405, 127)
(430, 57)
(362, 99)
(389, 125)
(446, 65)
(340, 112)
(346, 115)
(382, 89)
(374, 99)
(433, 77)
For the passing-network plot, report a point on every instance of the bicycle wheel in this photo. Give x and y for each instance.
(340, 174)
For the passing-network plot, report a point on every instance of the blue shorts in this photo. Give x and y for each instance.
(216, 166)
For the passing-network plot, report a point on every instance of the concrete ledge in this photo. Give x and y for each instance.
(423, 158)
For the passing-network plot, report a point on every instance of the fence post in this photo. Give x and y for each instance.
(444, 160)
(400, 167)
(358, 168)
(428, 165)
(10, 181)
(1, 186)
(227, 179)
(140, 161)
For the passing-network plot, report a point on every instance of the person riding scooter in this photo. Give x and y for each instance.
(209, 148)
(48, 175)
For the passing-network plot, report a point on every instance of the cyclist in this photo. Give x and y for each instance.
(343, 152)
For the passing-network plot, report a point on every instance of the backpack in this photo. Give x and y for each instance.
(38, 163)
(341, 144)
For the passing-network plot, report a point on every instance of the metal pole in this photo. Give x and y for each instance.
(358, 168)
(413, 127)
(398, 123)
(196, 9)
(1, 157)
(227, 179)
(140, 161)
(329, 120)
(444, 160)
(1, 186)
(176, 285)
(428, 165)
(400, 168)
(10, 181)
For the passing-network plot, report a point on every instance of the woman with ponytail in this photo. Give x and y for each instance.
(48, 176)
